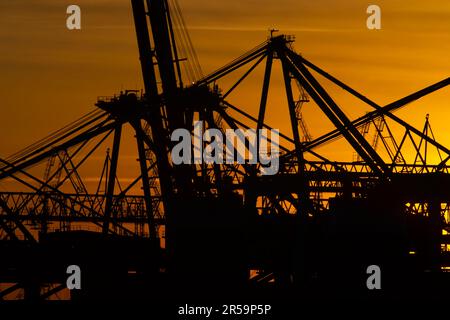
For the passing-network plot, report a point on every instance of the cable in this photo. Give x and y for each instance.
(192, 65)
(48, 138)
(180, 41)
(75, 126)
(191, 47)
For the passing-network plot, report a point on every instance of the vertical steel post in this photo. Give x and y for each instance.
(145, 179)
(112, 178)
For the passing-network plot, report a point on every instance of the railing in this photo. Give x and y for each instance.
(106, 98)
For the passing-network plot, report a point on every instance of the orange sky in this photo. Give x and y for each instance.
(50, 76)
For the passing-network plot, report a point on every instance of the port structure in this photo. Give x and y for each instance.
(313, 227)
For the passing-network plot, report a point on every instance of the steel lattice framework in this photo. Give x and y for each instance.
(304, 186)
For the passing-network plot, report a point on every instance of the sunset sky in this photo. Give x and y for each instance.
(50, 76)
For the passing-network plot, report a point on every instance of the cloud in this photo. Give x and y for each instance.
(264, 29)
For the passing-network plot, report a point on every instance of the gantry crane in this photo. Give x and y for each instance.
(208, 226)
